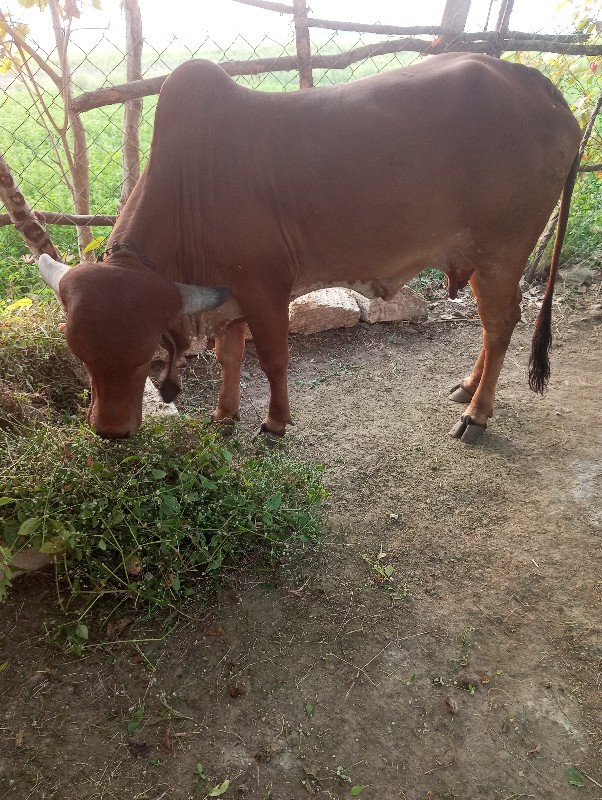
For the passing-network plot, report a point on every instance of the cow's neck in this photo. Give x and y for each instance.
(147, 234)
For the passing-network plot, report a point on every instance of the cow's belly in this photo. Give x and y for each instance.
(384, 288)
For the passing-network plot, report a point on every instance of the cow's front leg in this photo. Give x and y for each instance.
(229, 349)
(268, 321)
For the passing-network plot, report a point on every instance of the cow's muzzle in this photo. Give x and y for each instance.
(113, 436)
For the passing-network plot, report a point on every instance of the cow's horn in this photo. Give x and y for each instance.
(51, 271)
(196, 299)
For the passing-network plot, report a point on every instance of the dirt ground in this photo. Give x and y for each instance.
(444, 643)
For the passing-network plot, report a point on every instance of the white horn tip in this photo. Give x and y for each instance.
(51, 271)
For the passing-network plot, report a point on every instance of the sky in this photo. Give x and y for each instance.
(222, 20)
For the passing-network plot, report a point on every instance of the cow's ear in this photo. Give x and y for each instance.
(51, 271)
(196, 299)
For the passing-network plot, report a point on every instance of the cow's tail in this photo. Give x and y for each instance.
(539, 363)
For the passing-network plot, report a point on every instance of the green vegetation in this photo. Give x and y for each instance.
(143, 519)
(138, 522)
(39, 378)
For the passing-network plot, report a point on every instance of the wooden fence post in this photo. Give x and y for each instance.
(503, 24)
(306, 78)
(455, 15)
(132, 114)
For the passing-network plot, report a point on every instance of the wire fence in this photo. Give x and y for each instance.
(32, 146)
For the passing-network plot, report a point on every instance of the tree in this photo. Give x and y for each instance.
(66, 133)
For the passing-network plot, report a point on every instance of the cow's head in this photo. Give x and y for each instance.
(115, 319)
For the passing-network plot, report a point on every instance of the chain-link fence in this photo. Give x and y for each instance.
(34, 145)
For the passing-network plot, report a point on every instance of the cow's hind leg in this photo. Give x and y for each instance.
(498, 300)
(463, 392)
(229, 349)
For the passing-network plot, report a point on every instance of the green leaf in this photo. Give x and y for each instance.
(53, 546)
(134, 724)
(573, 777)
(158, 474)
(94, 244)
(218, 791)
(82, 631)
(136, 720)
(274, 502)
(102, 545)
(3, 666)
(309, 709)
(5, 500)
(170, 502)
(30, 526)
(583, 23)
(356, 790)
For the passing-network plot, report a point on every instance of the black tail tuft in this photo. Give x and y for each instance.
(539, 363)
(169, 390)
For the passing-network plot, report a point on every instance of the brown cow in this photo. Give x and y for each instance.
(455, 162)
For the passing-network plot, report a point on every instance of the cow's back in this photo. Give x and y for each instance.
(392, 170)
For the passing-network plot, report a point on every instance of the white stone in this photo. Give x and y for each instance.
(152, 402)
(405, 306)
(198, 345)
(322, 310)
(27, 560)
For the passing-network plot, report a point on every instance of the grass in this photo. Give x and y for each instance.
(143, 520)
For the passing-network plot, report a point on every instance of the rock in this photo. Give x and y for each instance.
(406, 306)
(152, 402)
(578, 275)
(596, 311)
(198, 345)
(322, 310)
(28, 560)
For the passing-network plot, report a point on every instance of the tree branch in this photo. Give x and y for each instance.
(20, 41)
(60, 218)
(21, 215)
(547, 235)
(281, 8)
(150, 86)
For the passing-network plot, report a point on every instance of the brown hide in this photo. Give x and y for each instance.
(455, 162)
(117, 362)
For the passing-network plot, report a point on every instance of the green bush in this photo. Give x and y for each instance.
(142, 520)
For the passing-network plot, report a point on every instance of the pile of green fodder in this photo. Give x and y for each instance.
(142, 522)
(40, 380)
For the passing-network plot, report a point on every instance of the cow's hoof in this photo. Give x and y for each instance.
(460, 395)
(467, 430)
(269, 438)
